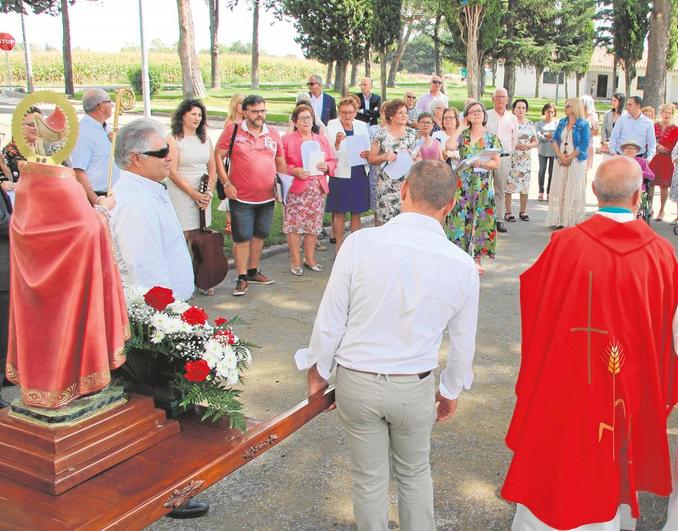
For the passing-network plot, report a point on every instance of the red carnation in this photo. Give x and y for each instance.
(196, 371)
(159, 298)
(220, 320)
(226, 334)
(194, 316)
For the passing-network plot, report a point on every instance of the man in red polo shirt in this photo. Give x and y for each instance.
(256, 157)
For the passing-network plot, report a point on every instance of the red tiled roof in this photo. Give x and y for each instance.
(602, 59)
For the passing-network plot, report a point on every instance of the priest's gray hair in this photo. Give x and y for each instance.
(92, 98)
(617, 179)
(135, 137)
(432, 182)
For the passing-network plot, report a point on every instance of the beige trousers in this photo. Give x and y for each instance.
(500, 176)
(388, 415)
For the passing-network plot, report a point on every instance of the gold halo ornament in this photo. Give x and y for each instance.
(64, 125)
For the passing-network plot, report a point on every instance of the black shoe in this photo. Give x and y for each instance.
(3, 403)
(501, 227)
(191, 509)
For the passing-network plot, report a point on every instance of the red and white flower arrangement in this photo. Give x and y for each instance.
(209, 358)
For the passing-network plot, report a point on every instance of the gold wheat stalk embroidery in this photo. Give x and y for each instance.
(614, 361)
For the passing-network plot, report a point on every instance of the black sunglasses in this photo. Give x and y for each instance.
(436, 82)
(158, 153)
(312, 83)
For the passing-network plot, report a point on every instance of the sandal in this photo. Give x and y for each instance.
(297, 271)
(540, 197)
(524, 216)
(317, 267)
(209, 292)
(509, 217)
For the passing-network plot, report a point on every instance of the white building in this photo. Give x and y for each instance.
(597, 81)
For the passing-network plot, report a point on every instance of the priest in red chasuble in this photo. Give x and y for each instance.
(68, 318)
(599, 374)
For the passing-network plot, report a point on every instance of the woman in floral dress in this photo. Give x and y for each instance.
(472, 224)
(518, 180)
(388, 142)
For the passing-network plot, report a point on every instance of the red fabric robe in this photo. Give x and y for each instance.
(586, 439)
(68, 319)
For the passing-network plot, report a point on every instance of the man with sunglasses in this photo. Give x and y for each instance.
(324, 106)
(435, 93)
(255, 157)
(150, 245)
(412, 112)
(92, 151)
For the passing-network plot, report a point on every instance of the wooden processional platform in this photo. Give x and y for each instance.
(189, 457)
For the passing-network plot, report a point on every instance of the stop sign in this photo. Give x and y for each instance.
(7, 42)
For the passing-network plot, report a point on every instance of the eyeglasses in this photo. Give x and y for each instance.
(256, 111)
(475, 111)
(411, 97)
(436, 82)
(311, 83)
(29, 124)
(158, 153)
(304, 119)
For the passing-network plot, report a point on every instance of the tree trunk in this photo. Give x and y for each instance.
(628, 79)
(368, 61)
(577, 82)
(657, 48)
(192, 83)
(510, 79)
(567, 88)
(214, 43)
(481, 77)
(472, 14)
(255, 44)
(382, 74)
(328, 75)
(340, 77)
(494, 74)
(615, 73)
(337, 75)
(405, 33)
(354, 73)
(437, 58)
(27, 50)
(68, 59)
(539, 70)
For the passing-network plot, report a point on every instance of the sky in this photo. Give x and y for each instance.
(108, 25)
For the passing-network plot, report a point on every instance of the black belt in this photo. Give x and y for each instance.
(423, 375)
(100, 194)
(505, 155)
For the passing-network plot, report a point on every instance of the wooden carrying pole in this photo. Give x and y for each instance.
(124, 101)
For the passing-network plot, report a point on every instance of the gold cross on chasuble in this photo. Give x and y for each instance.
(589, 330)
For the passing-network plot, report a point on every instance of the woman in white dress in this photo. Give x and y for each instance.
(571, 141)
(192, 157)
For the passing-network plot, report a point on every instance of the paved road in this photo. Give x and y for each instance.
(304, 482)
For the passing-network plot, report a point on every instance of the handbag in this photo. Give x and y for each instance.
(221, 192)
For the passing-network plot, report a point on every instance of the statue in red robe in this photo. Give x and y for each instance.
(598, 376)
(68, 319)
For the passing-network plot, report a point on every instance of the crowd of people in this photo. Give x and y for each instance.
(441, 182)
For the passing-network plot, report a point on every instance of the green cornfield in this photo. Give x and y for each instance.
(102, 68)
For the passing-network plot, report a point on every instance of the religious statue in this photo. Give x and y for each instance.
(68, 319)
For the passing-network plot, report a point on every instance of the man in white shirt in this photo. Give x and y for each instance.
(324, 106)
(150, 245)
(504, 124)
(393, 290)
(92, 152)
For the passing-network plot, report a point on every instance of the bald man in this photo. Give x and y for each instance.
(369, 103)
(502, 123)
(92, 152)
(598, 371)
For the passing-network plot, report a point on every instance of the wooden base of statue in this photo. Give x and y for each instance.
(142, 489)
(56, 459)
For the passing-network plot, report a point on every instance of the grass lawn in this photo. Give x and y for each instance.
(280, 98)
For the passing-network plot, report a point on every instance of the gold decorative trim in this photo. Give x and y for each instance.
(34, 99)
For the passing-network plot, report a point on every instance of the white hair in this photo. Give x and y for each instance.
(437, 103)
(135, 137)
(589, 106)
(92, 98)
